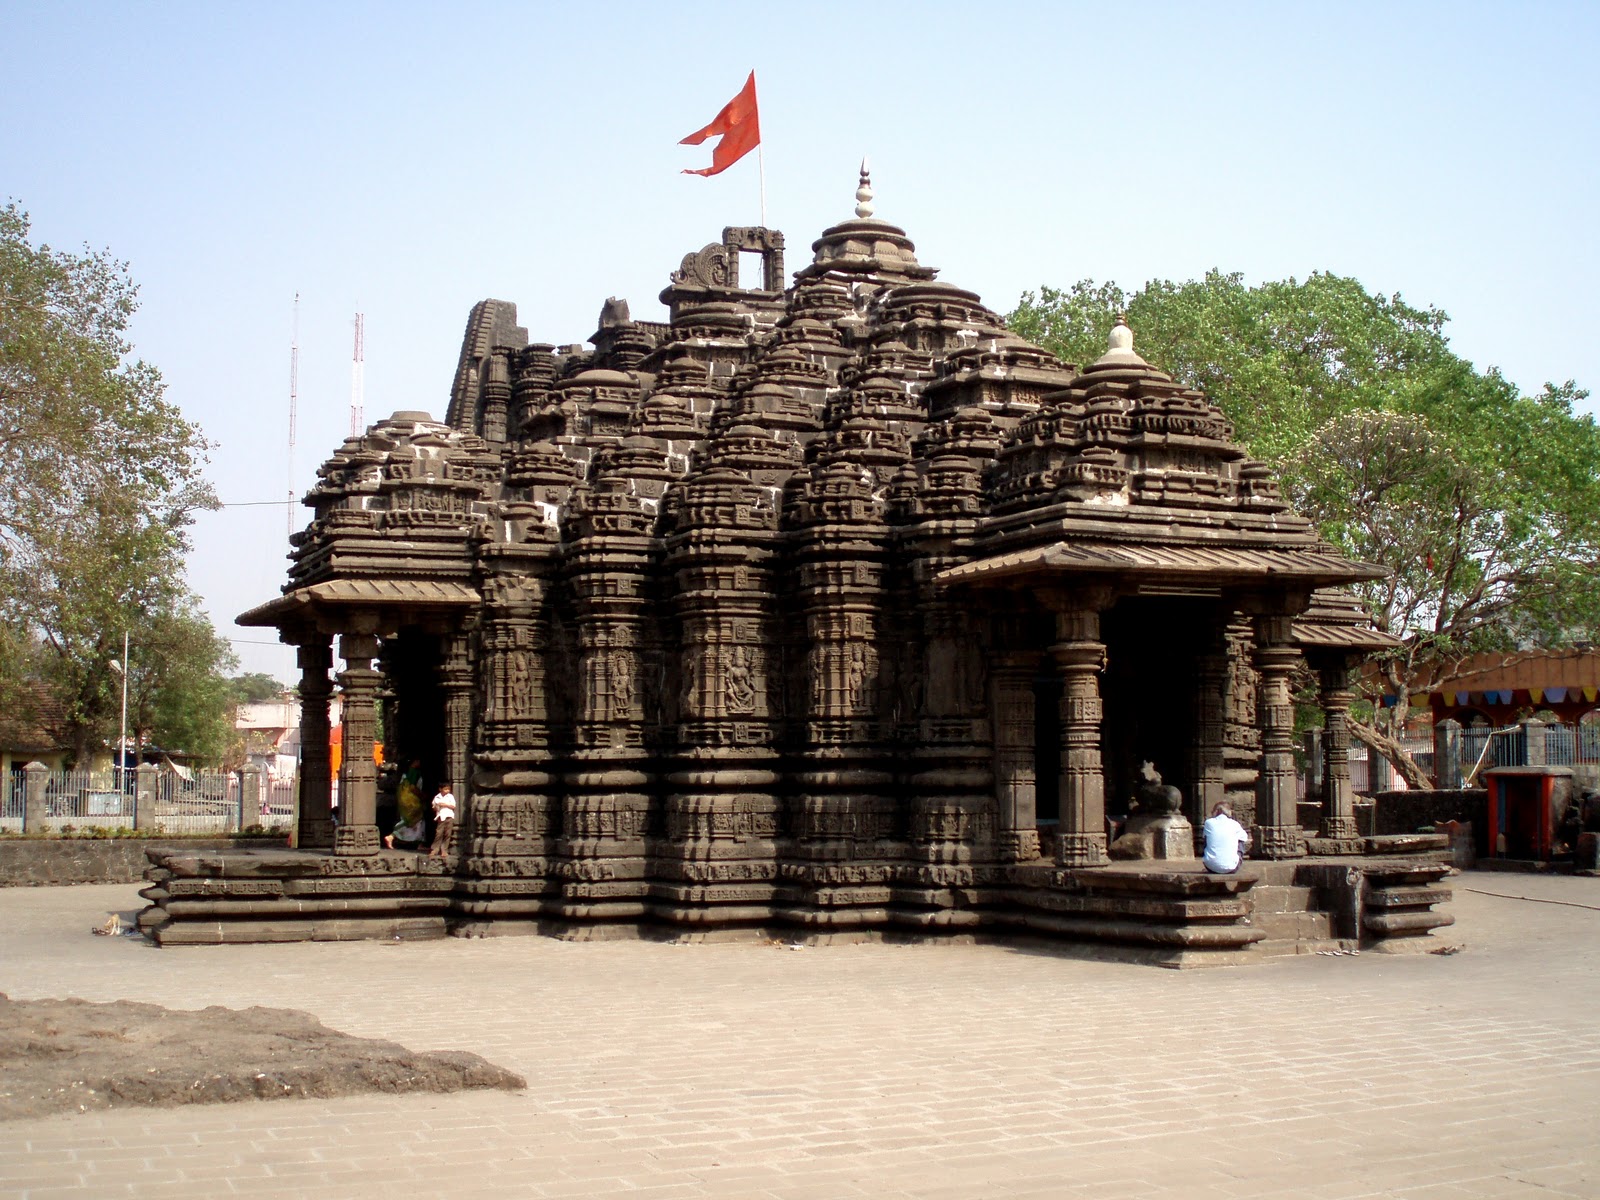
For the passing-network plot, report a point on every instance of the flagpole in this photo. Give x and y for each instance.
(761, 166)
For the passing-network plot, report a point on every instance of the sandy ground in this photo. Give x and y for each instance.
(931, 1072)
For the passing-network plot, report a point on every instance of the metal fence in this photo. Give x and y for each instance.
(201, 802)
(277, 802)
(1571, 745)
(11, 802)
(207, 802)
(1481, 748)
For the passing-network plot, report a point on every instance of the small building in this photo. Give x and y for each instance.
(270, 730)
(1495, 688)
(32, 733)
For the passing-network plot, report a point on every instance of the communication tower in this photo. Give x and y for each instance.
(358, 380)
(294, 404)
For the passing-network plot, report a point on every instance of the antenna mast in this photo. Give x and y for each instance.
(294, 404)
(358, 379)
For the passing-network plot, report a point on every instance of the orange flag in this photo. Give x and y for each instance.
(738, 124)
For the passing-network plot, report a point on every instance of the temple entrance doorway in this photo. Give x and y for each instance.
(413, 713)
(1148, 690)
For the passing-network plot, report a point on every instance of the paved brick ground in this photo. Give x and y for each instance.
(940, 1072)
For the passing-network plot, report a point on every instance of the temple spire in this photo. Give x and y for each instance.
(864, 192)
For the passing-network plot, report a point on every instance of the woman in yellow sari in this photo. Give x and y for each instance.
(411, 827)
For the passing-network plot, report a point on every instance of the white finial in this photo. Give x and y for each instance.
(1121, 336)
(864, 193)
(1119, 347)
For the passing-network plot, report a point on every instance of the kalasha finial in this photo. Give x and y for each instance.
(1121, 336)
(1119, 347)
(864, 193)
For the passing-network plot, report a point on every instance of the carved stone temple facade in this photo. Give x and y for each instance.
(825, 608)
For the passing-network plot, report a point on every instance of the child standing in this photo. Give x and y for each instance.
(444, 816)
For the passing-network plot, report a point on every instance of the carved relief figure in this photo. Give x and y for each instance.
(621, 684)
(1241, 684)
(860, 694)
(817, 669)
(739, 690)
(689, 692)
(519, 683)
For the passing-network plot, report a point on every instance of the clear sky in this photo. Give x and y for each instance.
(409, 160)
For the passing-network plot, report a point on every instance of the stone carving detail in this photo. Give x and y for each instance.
(621, 664)
(706, 268)
(739, 689)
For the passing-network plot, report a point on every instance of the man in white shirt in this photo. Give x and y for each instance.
(444, 814)
(1226, 840)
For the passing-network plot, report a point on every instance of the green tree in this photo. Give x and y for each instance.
(254, 687)
(180, 697)
(102, 475)
(1483, 503)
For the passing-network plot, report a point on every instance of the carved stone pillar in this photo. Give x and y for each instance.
(952, 807)
(843, 810)
(608, 811)
(357, 831)
(1209, 756)
(455, 680)
(1338, 797)
(315, 830)
(1277, 831)
(721, 813)
(496, 396)
(1011, 689)
(1080, 655)
(952, 798)
(515, 811)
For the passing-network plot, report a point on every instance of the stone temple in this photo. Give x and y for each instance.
(824, 609)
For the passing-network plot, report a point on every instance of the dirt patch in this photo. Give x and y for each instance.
(73, 1056)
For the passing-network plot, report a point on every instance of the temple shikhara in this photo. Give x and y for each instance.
(824, 606)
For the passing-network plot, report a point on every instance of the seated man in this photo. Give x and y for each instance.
(1226, 840)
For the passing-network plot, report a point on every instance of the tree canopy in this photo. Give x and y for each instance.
(254, 687)
(1483, 502)
(102, 476)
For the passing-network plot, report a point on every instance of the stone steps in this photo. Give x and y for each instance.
(1282, 898)
(1294, 926)
(1273, 948)
(1293, 922)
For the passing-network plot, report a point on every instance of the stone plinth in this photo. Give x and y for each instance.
(203, 897)
(1175, 914)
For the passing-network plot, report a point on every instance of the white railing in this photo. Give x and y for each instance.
(202, 802)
